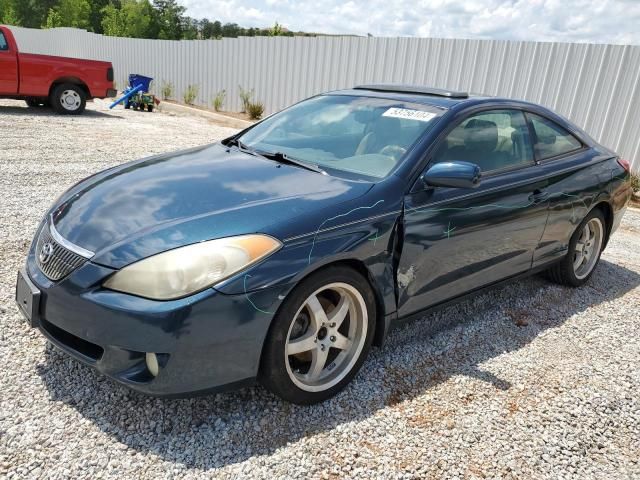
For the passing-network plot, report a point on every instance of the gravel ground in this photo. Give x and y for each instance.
(529, 381)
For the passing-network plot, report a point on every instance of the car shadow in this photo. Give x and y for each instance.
(213, 431)
(48, 112)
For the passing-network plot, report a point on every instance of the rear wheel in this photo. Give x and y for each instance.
(585, 248)
(320, 336)
(68, 99)
(150, 108)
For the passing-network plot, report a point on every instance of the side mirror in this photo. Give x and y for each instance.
(452, 174)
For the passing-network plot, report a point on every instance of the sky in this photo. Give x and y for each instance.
(594, 21)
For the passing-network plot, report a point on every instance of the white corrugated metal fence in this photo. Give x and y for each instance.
(597, 86)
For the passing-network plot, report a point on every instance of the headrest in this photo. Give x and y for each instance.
(481, 136)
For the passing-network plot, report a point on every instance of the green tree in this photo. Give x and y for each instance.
(169, 19)
(8, 14)
(216, 29)
(112, 21)
(32, 13)
(138, 15)
(206, 29)
(163, 19)
(132, 19)
(70, 13)
(54, 19)
(190, 28)
(95, 17)
(230, 30)
(276, 30)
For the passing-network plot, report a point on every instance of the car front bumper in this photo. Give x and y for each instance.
(206, 342)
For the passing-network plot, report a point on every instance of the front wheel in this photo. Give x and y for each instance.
(320, 336)
(585, 248)
(68, 99)
(34, 102)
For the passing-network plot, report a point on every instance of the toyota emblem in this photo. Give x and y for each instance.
(46, 252)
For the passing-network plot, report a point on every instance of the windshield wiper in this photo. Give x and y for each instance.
(234, 142)
(282, 157)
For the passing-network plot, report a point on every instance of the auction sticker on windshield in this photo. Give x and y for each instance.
(409, 114)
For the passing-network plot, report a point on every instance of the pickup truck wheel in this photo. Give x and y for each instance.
(36, 102)
(68, 99)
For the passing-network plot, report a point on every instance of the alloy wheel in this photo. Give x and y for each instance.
(326, 337)
(588, 248)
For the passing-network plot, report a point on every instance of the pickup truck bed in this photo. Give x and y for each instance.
(63, 83)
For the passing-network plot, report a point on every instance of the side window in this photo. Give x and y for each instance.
(551, 139)
(493, 140)
(3, 42)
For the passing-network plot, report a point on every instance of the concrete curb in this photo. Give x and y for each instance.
(215, 117)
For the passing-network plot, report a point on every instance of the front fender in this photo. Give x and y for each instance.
(369, 242)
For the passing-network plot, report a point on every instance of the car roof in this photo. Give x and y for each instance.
(436, 97)
(448, 99)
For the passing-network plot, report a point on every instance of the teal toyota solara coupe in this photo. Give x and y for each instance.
(283, 253)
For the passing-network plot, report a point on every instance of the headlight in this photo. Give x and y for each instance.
(189, 269)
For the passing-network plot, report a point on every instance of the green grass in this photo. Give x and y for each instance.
(190, 94)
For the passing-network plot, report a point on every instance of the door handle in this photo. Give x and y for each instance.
(538, 196)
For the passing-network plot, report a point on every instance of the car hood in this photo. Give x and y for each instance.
(155, 204)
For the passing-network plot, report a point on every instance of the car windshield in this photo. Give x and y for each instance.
(360, 135)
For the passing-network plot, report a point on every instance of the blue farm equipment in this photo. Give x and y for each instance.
(137, 95)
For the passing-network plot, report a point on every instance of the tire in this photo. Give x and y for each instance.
(127, 106)
(34, 102)
(316, 337)
(150, 108)
(568, 271)
(68, 99)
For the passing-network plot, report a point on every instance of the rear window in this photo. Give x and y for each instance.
(551, 139)
(3, 42)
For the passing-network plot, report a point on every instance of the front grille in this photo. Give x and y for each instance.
(55, 261)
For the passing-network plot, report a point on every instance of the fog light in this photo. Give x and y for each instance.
(152, 363)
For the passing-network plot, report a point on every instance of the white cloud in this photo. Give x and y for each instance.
(597, 21)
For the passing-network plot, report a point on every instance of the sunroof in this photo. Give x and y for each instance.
(389, 87)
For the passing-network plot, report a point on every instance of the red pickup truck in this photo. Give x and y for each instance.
(63, 83)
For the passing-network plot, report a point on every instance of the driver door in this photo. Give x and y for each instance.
(457, 240)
